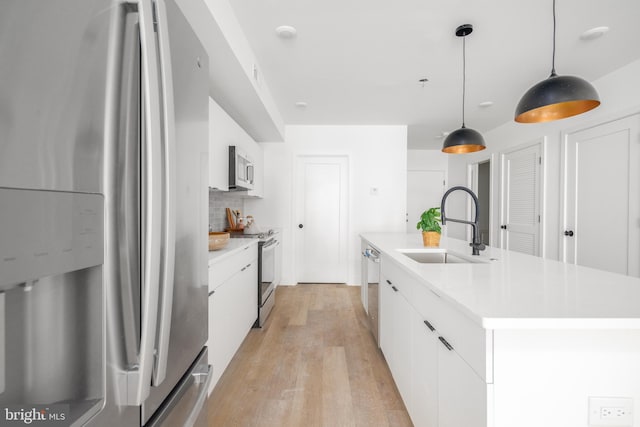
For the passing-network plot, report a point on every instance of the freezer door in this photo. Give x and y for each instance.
(52, 93)
(186, 406)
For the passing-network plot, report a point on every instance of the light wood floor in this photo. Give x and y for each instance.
(315, 363)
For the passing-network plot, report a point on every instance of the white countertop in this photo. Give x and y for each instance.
(235, 245)
(520, 291)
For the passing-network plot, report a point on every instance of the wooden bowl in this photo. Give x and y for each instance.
(218, 240)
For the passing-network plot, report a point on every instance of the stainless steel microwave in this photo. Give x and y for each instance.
(241, 170)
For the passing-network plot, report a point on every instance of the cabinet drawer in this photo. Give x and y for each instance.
(469, 340)
(221, 271)
(392, 272)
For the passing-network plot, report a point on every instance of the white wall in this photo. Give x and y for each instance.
(427, 160)
(419, 189)
(377, 158)
(619, 95)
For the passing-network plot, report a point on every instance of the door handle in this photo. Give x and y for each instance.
(138, 378)
(300, 226)
(429, 325)
(169, 206)
(203, 378)
(504, 227)
(446, 343)
(568, 233)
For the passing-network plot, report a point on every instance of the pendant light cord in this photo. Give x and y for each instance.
(553, 58)
(464, 74)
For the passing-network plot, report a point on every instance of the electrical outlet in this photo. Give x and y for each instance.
(610, 411)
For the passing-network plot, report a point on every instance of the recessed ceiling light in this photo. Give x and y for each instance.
(286, 32)
(485, 104)
(594, 33)
(301, 104)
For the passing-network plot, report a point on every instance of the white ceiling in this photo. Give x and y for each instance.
(358, 62)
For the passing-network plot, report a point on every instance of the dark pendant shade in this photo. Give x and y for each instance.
(463, 140)
(555, 98)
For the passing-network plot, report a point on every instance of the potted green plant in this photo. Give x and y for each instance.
(430, 225)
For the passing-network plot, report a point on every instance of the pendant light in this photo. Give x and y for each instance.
(463, 140)
(557, 97)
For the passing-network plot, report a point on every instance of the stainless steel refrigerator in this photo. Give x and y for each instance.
(103, 214)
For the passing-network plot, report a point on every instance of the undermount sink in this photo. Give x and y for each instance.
(439, 257)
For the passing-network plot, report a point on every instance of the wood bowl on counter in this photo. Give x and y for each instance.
(218, 240)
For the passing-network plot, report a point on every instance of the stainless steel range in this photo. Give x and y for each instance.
(268, 271)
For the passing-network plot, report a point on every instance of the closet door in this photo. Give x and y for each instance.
(520, 215)
(601, 214)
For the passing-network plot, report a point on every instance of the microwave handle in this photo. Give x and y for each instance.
(250, 173)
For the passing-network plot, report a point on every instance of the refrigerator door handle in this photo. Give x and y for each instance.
(202, 396)
(137, 381)
(124, 263)
(169, 200)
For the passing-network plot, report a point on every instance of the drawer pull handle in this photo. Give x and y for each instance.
(248, 265)
(445, 343)
(388, 281)
(243, 268)
(394, 288)
(429, 325)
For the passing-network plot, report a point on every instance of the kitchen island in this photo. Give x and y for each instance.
(505, 339)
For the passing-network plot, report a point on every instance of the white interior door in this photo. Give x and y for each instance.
(520, 217)
(424, 190)
(602, 197)
(322, 218)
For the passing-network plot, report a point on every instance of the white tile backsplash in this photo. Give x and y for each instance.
(218, 204)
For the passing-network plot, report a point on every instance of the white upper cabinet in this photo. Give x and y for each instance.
(218, 150)
(223, 132)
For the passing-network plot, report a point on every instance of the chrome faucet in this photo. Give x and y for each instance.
(476, 245)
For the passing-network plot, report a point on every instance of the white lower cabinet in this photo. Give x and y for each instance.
(233, 309)
(385, 315)
(462, 394)
(394, 336)
(439, 387)
(423, 404)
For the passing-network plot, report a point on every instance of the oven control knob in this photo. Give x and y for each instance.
(300, 225)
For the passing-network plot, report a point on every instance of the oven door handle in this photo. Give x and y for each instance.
(271, 245)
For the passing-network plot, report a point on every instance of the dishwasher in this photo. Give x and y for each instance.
(370, 279)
